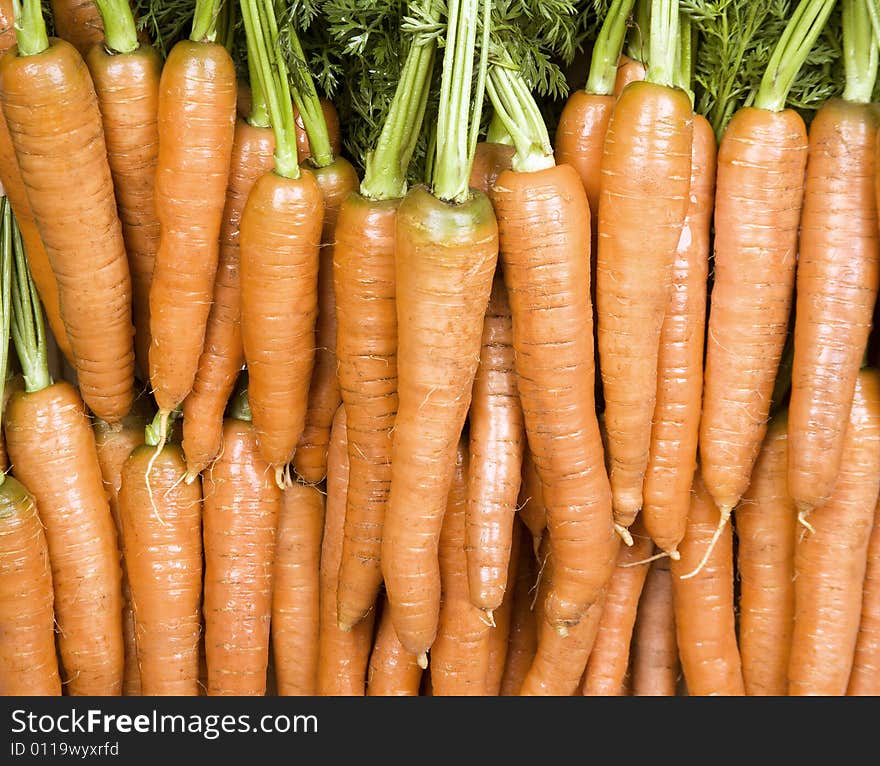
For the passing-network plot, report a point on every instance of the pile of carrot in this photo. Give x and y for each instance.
(590, 406)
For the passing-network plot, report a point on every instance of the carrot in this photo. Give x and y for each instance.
(161, 535)
(295, 597)
(460, 653)
(490, 159)
(47, 83)
(838, 269)
(126, 77)
(366, 315)
(279, 241)
(758, 198)
(446, 253)
(334, 133)
(703, 603)
(831, 557)
(342, 655)
(499, 636)
(222, 355)
(239, 522)
(198, 78)
(113, 446)
(628, 70)
(78, 22)
(864, 678)
(7, 25)
(672, 457)
(52, 450)
(655, 666)
(644, 193)
(392, 672)
(523, 640)
(610, 656)
(553, 346)
(766, 525)
(531, 508)
(497, 441)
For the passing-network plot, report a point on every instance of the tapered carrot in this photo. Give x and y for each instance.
(52, 451)
(295, 597)
(831, 557)
(113, 445)
(126, 77)
(162, 543)
(531, 508)
(366, 346)
(610, 656)
(864, 678)
(460, 653)
(523, 640)
(497, 441)
(758, 198)
(655, 665)
(279, 241)
(239, 523)
(644, 193)
(223, 353)
(393, 671)
(554, 352)
(78, 22)
(703, 603)
(446, 252)
(343, 656)
(499, 636)
(672, 458)
(198, 79)
(45, 86)
(766, 526)
(838, 268)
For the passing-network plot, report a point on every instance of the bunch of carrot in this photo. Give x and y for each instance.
(515, 428)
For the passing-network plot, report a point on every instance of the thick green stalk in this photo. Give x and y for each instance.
(874, 13)
(6, 224)
(859, 52)
(639, 36)
(607, 48)
(30, 27)
(790, 53)
(120, 33)
(663, 63)
(272, 75)
(497, 131)
(684, 72)
(309, 105)
(259, 116)
(204, 27)
(386, 166)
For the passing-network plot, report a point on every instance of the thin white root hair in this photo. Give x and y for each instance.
(160, 444)
(716, 535)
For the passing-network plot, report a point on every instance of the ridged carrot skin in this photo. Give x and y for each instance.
(460, 653)
(223, 353)
(296, 593)
(336, 181)
(831, 560)
(445, 259)
(393, 671)
(766, 530)
(499, 636)
(523, 641)
(672, 459)
(546, 271)
(343, 656)
(163, 555)
(127, 86)
(366, 355)
(28, 665)
(704, 609)
(864, 679)
(279, 241)
(838, 267)
(531, 508)
(239, 522)
(48, 434)
(79, 22)
(496, 444)
(758, 196)
(196, 119)
(655, 665)
(609, 659)
(53, 117)
(643, 201)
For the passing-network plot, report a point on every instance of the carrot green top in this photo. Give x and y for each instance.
(30, 27)
(204, 26)
(6, 256)
(859, 51)
(607, 48)
(307, 102)
(684, 72)
(120, 33)
(663, 44)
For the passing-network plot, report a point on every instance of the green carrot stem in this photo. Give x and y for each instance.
(259, 116)
(30, 27)
(120, 33)
(684, 72)
(607, 48)
(6, 256)
(874, 13)
(639, 36)
(663, 62)
(309, 105)
(386, 166)
(204, 26)
(497, 132)
(790, 53)
(859, 52)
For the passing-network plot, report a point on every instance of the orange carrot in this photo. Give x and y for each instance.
(523, 627)
(78, 22)
(628, 70)
(392, 672)
(864, 679)
(490, 160)
(531, 509)
(331, 119)
(831, 557)
(766, 525)
(655, 666)
(499, 636)
(295, 597)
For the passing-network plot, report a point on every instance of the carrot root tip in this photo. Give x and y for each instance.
(422, 660)
(280, 478)
(661, 555)
(191, 476)
(674, 554)
(624, 534)
(802, 520)
(488, 617)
